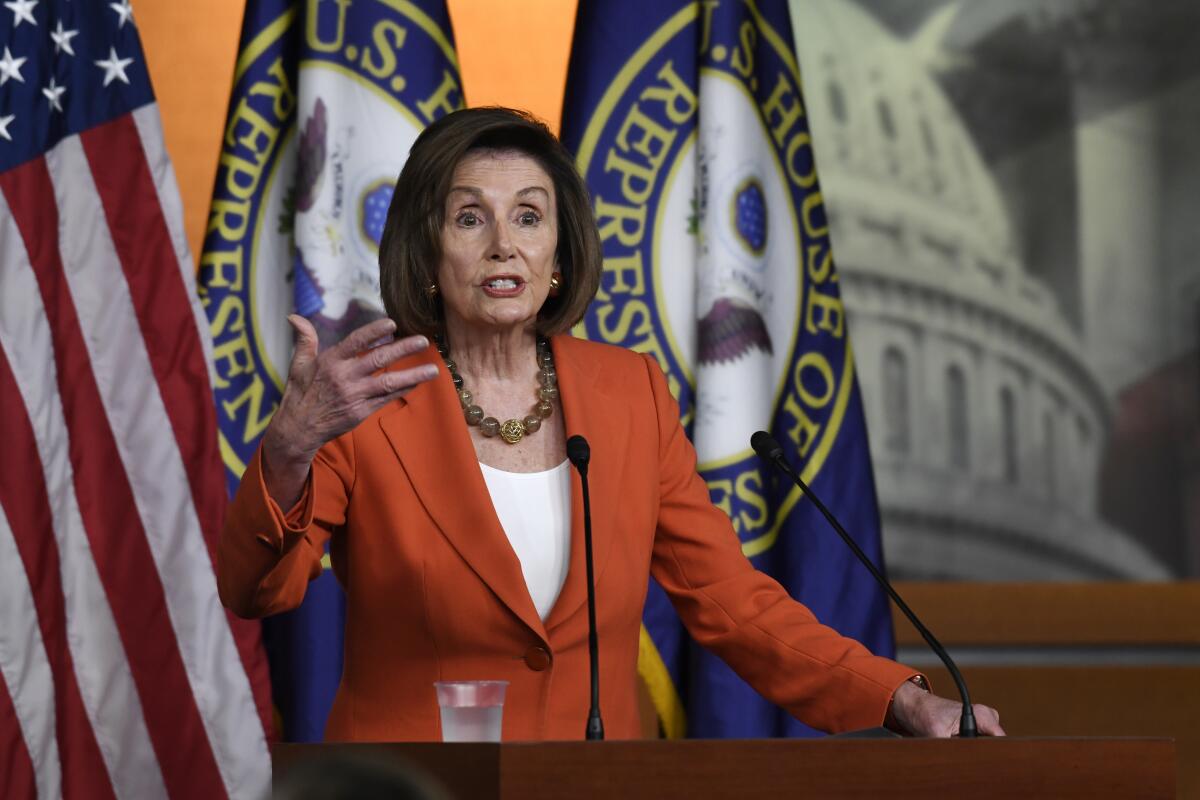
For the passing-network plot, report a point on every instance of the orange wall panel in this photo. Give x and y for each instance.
(514, 53)
(191, 48)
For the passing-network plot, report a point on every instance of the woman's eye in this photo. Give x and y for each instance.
(529, 218)
(468, 219)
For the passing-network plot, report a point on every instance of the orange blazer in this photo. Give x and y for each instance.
(435, 592)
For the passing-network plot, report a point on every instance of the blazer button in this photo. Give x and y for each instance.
(537, 658)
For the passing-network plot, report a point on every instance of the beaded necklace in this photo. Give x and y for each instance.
(513, 430)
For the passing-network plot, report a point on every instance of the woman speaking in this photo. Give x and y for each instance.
(429, 450)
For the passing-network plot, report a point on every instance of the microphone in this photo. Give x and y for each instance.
(580, 454)
(770, 450)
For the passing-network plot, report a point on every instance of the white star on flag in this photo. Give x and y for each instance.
(10, 67)
(114, 67)
(4, 123)
(124, 11)
(62, 39)
(53, 92)
(22, 11)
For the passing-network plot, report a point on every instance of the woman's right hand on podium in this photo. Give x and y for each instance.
(330, 393)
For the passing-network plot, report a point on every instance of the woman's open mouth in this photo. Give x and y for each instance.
(503, 286)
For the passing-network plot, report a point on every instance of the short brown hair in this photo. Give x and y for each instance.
(410, 250)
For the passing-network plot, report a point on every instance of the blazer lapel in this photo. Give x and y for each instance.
(427, 432)
(592, 410)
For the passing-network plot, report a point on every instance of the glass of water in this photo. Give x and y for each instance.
(471, 710)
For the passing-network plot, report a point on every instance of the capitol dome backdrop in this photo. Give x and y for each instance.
(1013, 195)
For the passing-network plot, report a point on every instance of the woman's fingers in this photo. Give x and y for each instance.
(304, 353)
(404, 381)
(370, 348)
(360, 339)
(385, 355)
(400, 382)
(987, 720)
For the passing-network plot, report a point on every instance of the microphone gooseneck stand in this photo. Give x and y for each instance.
(579, 453)
(769, 450)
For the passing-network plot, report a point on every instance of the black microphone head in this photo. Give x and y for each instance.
(764, 444)
(578, 451)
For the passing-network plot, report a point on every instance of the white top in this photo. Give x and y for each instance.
(535, 511)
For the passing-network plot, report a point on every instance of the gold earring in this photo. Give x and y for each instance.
(431, 290)
(555, 284)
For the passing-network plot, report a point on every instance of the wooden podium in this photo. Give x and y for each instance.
(1029, 769)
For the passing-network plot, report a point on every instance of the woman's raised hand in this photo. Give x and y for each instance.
(329, 393)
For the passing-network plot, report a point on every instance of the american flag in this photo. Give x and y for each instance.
(120, 673)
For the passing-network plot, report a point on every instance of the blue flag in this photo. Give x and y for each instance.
(327, 100)
(688, 122)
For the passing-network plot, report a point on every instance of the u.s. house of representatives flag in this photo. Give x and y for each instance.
(328, 98)
(120, 673)
(688, 122)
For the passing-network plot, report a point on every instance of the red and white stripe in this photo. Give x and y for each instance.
(125, 675)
